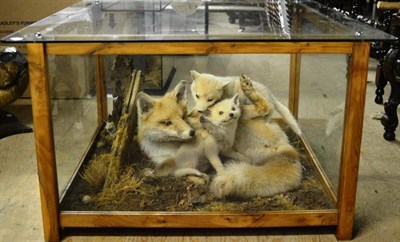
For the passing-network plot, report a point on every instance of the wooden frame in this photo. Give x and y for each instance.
(342, 217)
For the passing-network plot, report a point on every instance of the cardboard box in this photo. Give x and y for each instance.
(17, 14)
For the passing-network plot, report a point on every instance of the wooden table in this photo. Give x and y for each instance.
(345, 40)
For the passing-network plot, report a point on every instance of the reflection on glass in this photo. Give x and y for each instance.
(321, 108)
(74, 111)
(178, 20)
(134, 188)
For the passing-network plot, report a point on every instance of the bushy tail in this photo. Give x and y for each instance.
(282, 109)
(244, 180)
(288, 117)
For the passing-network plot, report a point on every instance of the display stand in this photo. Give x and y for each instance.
(343, 216)
(277, 43)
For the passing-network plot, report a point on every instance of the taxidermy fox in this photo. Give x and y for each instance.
(220, 121)
(169, 141)
(208, 89)
(274, 165)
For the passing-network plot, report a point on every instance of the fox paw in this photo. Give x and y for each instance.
(204, 176)
(222, 185)
(198, 180)
(246, 84)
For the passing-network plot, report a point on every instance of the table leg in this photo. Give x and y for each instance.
(294, 84)
(101, 89)
(380, 83)
(44, 141)
(352, 134)
(391, 70)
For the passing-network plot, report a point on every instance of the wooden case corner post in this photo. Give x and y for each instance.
(352, 134)
(44, 141)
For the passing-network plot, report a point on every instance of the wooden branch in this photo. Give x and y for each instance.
(125, 130)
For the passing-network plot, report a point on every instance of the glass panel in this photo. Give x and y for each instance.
(132, 186)
(74, 111)
(177, 20)
(321, 108)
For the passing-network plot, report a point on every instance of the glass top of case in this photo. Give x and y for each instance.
(197, 20)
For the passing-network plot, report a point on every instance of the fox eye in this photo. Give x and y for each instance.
(166, 123)
(233, 109)
(220, 112)
(197, 96)
(210, 100)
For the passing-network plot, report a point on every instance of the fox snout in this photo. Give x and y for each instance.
(201, 109)
(187, 135)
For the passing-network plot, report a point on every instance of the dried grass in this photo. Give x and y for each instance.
(95, 173)
(121, 190)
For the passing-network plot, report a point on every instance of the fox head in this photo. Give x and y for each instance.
(206, 90)
(224, 112)
(164, 119)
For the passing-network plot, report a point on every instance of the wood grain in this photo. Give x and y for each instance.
(101, 89)
(199, 219)
(294, 84)
(174, 48)
(45, 152)
(351, 143)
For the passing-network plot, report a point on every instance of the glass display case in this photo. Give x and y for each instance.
(95, 174)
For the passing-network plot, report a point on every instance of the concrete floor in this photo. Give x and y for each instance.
(322, 90)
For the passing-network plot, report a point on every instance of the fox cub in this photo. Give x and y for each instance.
(273, 165)
(208, 89)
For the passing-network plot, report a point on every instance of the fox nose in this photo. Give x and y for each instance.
(231, 115)
(192, 133)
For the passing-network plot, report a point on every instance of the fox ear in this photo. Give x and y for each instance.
(236, 99)
(226, 85)
(145, 103)
(180, 92)
(194, 74)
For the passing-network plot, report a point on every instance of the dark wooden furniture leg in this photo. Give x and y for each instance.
(391, 69)
(380, 83)
(391, 72)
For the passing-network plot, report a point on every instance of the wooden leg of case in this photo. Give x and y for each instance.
(44, 141)
(352, 133)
